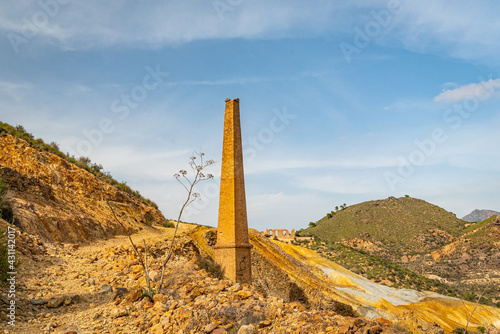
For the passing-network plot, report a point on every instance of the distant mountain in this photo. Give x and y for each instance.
(480, 215)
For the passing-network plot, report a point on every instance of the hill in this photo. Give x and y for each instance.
(393, 227)
(407, 242)
(55, 198)
(479, 215)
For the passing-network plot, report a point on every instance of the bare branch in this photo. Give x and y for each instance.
(148, 281)
(191, 197)
(180, 181)
(144, 267)
(475, 307)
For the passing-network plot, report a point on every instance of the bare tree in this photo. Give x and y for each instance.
(191, 197)
(188, 184)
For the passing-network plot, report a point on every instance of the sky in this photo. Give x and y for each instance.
(341, 101)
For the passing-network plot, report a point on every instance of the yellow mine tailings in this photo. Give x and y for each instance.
(404, 305)
(409, 307)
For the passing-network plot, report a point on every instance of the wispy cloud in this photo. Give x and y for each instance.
(459, 29)
(92, 24)
(247, 80)
(482, 91)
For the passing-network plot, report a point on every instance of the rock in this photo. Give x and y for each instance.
(160, 307)
(173, 306)
(48, 328)
(344, 329)
(105, 288)
(492, 330)
(119, 292)
(219, 331)
(243, 294)
(118, 312)
(72, 246)
(38, 302)
(56, 302)
(235, 288)
(154, 275)
(209, 328)
(297, 306)
(67, 301)
(134, 296)
(247, 329)
(375, 330)
(156, 329)
(264, 323)
(91, 281)
(160, 298)
(383, 322)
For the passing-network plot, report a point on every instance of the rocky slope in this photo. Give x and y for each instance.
(479, 215)
(406, 242)
(95, 289)
(59, 201)
(473, 260)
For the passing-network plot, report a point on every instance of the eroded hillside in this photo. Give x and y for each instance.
(58, 201)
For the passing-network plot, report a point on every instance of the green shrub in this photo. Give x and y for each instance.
(211, 267)
(168, 224)
(6, 211)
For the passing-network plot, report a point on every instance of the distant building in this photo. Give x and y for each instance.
(283, 234)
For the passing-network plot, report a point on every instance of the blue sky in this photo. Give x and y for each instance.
(341, 102)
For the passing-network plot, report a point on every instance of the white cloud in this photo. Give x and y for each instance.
(14, 90)
(157, 23)
(462, 29)
(482, 91)
(316, 164)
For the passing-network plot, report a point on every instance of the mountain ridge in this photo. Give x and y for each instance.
(478, 215)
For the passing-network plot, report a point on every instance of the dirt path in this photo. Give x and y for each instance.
(64, 290)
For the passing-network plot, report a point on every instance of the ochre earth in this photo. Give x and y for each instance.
(61, 202)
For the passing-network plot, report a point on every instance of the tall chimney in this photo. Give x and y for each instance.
(232, 250)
